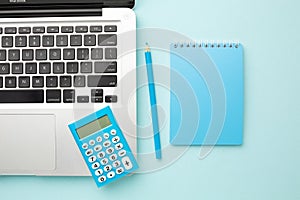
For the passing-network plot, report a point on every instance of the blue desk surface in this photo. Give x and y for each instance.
(267, 165)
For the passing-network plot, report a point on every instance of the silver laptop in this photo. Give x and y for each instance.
(61, 60)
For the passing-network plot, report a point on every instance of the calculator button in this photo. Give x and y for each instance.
(120, 170)
(113, 132)
(111, 174)
(99, 139)
(92, 159)
(104, 161)
(118, 146)
(107, 168)
(101, 154)
(122, 153)
(115, 139)
(101, 179)
(106, 135)
(106, 144)
(127, 163)
(110, 150)
(98, 172)
(98, 148)
(89, 152)
(85, 146)
(113, 157)
(92, 142)
(116, 164)
(95, 165)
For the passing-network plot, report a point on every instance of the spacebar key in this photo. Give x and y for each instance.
(22, 96)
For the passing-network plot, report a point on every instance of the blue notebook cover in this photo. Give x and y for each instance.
(207, 94)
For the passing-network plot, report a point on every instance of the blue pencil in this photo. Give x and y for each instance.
(152, 95)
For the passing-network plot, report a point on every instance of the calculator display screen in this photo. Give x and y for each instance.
(93, 127)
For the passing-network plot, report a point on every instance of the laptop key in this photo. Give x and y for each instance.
(72, 67)
(24, 82)
(51, 81)
(24, 30)
(61, 40)
(76, 40)
(102, 81)
(111, 98)
(39, 29)
(1, 30)
(10, 82)
(7, 41)
(79, 81)
(65, 81)
(69, 54)
(53, 96)
(55, 54)
(4, 68)
(97, 53)
(69, 96)
(2, 55)
(21, 41)
(27, 54)
(81, 29)
(86, 67)
(82, 99)
(52, 29)
(89, 40)
(22, 96)
(48, 41)
(106, 67)
(107, 40)
(30, 68)
(67, 29)
(110, 53)
(110, 28)
(1, 82)
(41, 54)
(10, 30)
(17, 68)
(34, 41)
(95, 29)
(82, 54)
(58, 68)
(13, 55)
(45, 68)
(37, 81)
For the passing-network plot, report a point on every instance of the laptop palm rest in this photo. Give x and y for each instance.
(25, 148)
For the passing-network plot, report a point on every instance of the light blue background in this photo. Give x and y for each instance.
(267, 165)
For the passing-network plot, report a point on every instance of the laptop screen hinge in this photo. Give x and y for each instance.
(54, 11)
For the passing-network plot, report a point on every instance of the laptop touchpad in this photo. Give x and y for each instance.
(27, 143)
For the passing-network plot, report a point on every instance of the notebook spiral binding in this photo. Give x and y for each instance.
(206, 44)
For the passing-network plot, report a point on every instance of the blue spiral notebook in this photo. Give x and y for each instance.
(207, 94)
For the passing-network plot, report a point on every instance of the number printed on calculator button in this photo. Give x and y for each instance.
(122, 153)
(101, 154)
(107, 168)
(96, 165)
(104, 161)
(113, 157)
(92, 142)
(110, 150)
(92, 159)
(98, 172)
(99, 139)
(116, 164)
(101, 179)
(85, 146)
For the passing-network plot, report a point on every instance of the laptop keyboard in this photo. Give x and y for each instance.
(45, 64)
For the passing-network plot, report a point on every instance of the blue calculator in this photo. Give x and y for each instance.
(103, 147)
